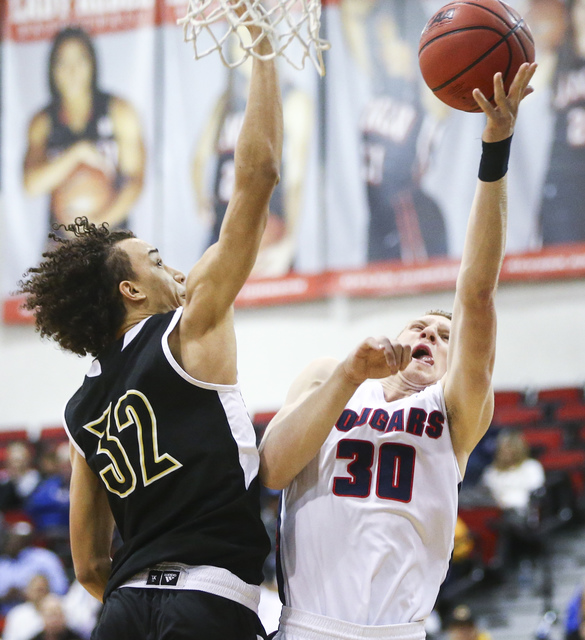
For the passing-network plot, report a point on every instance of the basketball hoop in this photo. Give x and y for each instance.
(281, 21)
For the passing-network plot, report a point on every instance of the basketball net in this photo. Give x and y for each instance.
(209, 23)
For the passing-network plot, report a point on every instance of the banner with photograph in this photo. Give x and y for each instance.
(401, 166)
(204, 103)
(78, 121)
(106, 112)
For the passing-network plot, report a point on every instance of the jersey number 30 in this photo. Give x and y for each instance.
(395, 470)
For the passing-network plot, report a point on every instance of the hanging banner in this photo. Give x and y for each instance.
(204, 103)
(77, 120)
(377, 178)
(402, 166)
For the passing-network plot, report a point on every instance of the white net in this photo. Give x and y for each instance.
(208, 24)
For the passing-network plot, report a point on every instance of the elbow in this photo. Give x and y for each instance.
(271, 173)
(274, 481)
(273, 476)
(478, 297)
(93, 577)
(266, 175)
(261, 166)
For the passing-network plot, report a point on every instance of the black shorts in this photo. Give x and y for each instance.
(174, 614)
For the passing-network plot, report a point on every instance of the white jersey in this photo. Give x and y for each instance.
(367, 527)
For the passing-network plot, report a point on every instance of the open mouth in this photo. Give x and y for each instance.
(422, 353)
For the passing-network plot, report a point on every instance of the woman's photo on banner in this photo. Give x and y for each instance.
(85, 149)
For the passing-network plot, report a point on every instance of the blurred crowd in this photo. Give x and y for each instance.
(40, 598)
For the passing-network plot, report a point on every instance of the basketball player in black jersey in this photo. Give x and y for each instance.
(162, 446)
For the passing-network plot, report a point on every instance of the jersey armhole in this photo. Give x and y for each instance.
(441, 394)
(177, 367)
(71, 438)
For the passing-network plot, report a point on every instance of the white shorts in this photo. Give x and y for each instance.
(301, 625)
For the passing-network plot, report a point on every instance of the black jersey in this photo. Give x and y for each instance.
(177, 457)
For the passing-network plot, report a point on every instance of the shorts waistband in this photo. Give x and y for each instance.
(311, 626)
(220, 582)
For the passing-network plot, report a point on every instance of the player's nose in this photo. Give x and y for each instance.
(179, 276)
(429, 334)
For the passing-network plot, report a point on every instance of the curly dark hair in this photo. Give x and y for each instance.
(74, 291)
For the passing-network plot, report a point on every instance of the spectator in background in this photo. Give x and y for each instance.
(575, 616)
(48, 505)
(81, 610)
(19, 478)
(55, 625)
(462, 625)
(460, 574)
(512, 478)
(20, 561)
(25, 620)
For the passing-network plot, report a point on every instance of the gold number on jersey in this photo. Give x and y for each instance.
(133, 408)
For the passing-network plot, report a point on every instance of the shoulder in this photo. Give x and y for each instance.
(321, 368)
(121, 110)
(313, 375)
(40, 125)
(318, 370)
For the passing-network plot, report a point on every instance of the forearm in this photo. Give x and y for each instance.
(94, 577)
(259, 148)
(294, 439)
(44, 177)
(485, 242)
(91, 527)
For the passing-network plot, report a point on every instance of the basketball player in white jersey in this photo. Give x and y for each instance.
(370, 451)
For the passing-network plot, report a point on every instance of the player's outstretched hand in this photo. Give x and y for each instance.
(376, 358)
(501, 119)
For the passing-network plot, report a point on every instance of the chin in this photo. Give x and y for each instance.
(420, 378)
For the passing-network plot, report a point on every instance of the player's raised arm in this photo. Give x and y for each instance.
(314, 403)
(214, 282)
(467, 383)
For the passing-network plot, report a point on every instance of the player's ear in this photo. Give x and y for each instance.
(131, 291)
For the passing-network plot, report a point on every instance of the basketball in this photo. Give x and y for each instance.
(465, 43)
(86, 192)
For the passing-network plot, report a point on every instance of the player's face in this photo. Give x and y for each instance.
(73, 68)
(429, 339)
(163, 286)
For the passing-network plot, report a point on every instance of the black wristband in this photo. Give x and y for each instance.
(494, 160)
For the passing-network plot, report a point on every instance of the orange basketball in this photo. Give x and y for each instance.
(465, 43)
(86, 192)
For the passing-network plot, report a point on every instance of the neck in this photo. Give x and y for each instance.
(131, 320)
(77, 110)
(397, 387)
